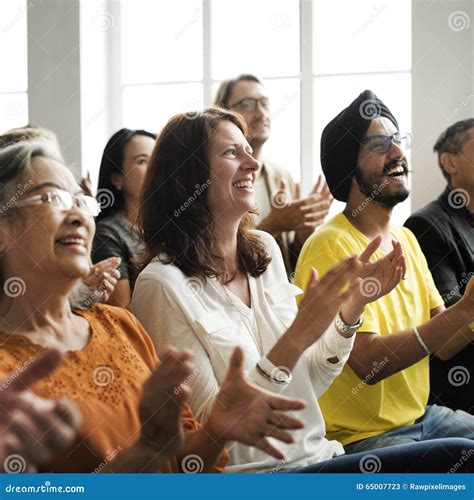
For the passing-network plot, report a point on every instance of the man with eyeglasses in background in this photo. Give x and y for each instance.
(445, 230)
(380, 398)
(282, 212)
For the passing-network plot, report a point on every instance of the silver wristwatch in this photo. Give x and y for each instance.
(344, 327)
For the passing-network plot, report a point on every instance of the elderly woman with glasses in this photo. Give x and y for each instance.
(133, 414)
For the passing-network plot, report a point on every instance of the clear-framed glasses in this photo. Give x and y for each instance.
(63, 201)
(382, 143)
(250, 104)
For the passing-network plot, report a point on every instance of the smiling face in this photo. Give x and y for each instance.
(42, 241)
(382, 176)
(233, 171)
(258, 121)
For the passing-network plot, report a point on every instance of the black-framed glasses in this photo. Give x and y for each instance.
(381, 143)
(63, 201)
(251, 103)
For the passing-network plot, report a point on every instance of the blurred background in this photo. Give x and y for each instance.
(85, 68)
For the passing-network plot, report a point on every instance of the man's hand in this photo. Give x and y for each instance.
(288, 214)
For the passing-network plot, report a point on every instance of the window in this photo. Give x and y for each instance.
(13, 54)
(173, 55)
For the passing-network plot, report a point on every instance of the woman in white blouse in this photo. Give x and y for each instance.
(211, 284)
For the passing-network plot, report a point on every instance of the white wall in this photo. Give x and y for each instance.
(54, 93)
(442, 84)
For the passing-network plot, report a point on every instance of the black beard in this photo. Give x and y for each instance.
(376, 191)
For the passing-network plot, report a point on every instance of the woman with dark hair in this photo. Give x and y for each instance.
(122, 170)
(133, 414)
(211, 284)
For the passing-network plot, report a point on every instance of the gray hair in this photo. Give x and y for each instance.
(15, 160)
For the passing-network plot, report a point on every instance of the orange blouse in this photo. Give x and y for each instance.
(104, 380)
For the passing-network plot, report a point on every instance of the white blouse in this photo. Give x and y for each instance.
(210, 321)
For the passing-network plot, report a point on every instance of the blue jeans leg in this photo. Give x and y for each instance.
(437, 422)
(436, 456)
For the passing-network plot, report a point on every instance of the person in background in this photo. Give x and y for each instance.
(445, 231)
(32, 429)
(122, 170)
(289, 218)
(380, 399)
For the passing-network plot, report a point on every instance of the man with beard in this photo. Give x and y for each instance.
(381, 396)
(445, 230)
(281, 211)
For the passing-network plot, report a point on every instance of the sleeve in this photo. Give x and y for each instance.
(436, 248)
(107, 244)
(330, 345)
(163, 318)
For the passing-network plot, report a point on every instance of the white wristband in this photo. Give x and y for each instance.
(420, 340)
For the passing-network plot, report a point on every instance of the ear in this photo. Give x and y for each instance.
(117, 180)
(449, 163)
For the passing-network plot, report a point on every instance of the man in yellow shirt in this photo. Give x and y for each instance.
(380, 398)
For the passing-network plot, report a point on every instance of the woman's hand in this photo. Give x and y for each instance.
(245, 413)
(322, 300)
(33, 428)
(103, 277)
(161, 404)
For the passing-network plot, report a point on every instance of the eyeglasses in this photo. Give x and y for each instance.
(64, 201)
(382, 143)
(250, 104)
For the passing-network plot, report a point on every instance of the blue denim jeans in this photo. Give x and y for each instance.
(453, 455)
(437, 422)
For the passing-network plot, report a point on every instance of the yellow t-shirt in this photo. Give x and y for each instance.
(352, 409)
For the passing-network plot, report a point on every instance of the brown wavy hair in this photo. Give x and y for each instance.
(174, 218)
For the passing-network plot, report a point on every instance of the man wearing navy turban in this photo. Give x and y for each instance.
(381, 396)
